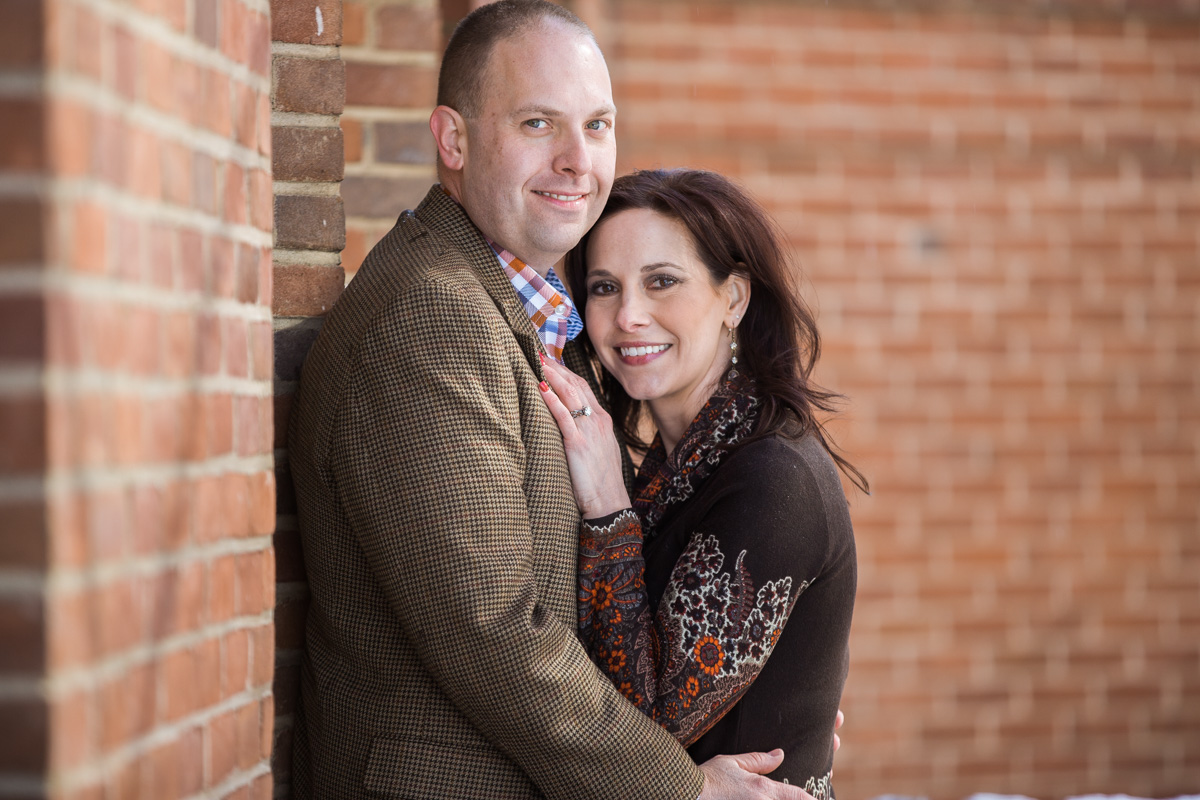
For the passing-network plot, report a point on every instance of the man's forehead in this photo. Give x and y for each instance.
(518, 53)
(553, 74)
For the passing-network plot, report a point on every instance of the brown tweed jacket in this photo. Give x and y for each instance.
(439, 533)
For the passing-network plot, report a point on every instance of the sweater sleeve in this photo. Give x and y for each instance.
(688, 663)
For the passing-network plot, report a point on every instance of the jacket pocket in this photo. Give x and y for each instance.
(411, 769)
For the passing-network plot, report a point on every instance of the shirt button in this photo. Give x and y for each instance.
(561, 309)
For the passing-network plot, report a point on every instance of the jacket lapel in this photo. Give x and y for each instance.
(439, 212)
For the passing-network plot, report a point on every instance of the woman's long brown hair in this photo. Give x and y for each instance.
(778, 341)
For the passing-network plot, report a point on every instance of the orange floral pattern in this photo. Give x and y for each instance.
(712, 634)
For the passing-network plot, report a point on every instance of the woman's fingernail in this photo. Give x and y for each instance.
(544, 386)
(542, 357)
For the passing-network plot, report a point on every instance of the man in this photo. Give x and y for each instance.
(436, 510)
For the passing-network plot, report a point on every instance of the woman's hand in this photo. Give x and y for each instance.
(593, 455)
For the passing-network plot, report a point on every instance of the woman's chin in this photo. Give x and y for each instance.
(640, 389)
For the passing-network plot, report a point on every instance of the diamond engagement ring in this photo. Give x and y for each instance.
(586, 411)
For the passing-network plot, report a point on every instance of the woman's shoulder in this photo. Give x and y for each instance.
(779, 461)
(777, 481)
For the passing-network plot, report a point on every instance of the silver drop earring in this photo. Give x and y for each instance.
(733, 340)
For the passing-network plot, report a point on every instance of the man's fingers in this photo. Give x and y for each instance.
(837, 723)
(759, 763)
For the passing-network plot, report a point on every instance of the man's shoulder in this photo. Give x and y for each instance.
(429, 257)
(414, 253)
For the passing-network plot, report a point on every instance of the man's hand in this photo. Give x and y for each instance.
(740, 777)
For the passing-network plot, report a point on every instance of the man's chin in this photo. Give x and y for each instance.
(562, 239)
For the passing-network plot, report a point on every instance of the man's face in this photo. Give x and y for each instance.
(539, 159)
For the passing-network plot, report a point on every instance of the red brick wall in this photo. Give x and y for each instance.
(136, 574)
(996, 208)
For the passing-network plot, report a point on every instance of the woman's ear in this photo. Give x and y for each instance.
(450, 132)
(737, 288)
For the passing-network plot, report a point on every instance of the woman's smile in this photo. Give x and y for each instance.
(635, 354)
(654, 315)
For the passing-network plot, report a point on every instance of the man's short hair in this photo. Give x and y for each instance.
(462, 79)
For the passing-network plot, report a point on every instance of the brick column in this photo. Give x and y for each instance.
(308, 95)
(136, 483)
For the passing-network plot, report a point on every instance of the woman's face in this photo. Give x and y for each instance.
(653, 313)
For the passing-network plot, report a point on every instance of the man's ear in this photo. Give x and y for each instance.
(450, 132)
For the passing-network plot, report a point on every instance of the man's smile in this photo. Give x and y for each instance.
(566, 198)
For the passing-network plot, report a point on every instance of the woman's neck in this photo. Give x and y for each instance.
(672, 416)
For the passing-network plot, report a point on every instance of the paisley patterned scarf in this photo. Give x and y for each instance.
(664, 481)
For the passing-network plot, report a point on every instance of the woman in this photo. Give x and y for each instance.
(718, 600)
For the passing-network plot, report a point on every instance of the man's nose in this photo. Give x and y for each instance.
(574, 156)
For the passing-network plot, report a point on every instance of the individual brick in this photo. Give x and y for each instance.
(23, 146)
(307, 154)
(352, 133)
(22, 628)
(404, 143)
(305, 23)
(25, 544)
(354, 23)
(410, 27)
(261, 339)
(22, 37)
(22, 242)
(305, 222)
(23, 430)
(368, 196)
(22, 329)
(311, 86)
(25, 735)
(306, 291)
(390, 85)
(222, 746)
(205, 26)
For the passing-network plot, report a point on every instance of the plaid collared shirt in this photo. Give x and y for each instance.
(545, 300)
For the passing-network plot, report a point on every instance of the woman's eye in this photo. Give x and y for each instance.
(663, 282)
(601, 288)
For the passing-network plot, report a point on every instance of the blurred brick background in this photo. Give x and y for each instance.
(996, 207)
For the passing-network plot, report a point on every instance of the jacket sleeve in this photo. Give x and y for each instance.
(433, 478)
